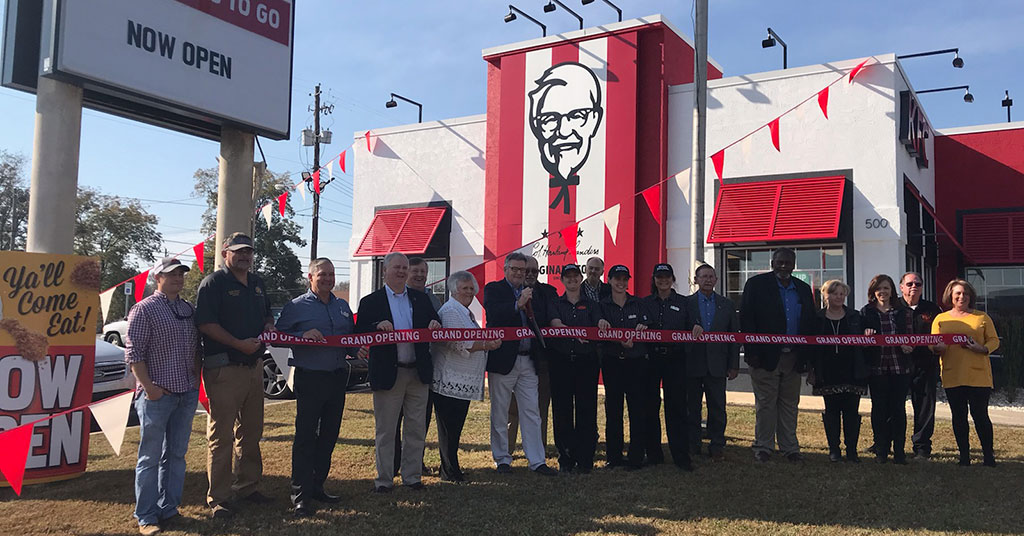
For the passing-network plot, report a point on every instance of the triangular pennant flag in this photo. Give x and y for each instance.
(341, 160)
(369, 148)
(479, 274)
(823, 101)
(268, 213)
(773, 127)
(611, 221)
(569, 238)
(200, 250)
(105, 298)
(14, 447)
(316, 181)
(330, 170)
(856, 70)
(203, 399)
(302, 190)
(718, 160)
(282, 200)
(112, 417)
(139, 285)
(653, 197)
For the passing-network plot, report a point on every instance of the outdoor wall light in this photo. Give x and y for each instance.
(770, 42)
(550, 6)
(613, 6)
(391, 104)
(967, 92)
(512, 10)
(1007, 103)
(958, 62)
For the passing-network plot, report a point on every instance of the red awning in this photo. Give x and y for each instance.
(405, 230)
(994, 237)
(793, 209)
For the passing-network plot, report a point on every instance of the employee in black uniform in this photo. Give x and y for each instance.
(574, 368)
(668, 310)
(624, 365)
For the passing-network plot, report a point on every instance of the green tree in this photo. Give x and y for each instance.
(121, 233)
(275, 260)
(13, 201)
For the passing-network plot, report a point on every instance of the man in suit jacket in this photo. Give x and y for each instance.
(511, 368)
(400, 374)
(777, 303)
(709, 364)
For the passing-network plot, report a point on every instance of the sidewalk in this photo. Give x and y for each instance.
(740, 393)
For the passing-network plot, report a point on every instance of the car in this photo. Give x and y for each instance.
(111, 374)
(115, 332)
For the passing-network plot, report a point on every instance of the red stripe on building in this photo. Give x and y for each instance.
(620, 155)
(504, 196)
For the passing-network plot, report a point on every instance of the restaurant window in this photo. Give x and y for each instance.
(1000, 289)
(814, 266)
(437, 273)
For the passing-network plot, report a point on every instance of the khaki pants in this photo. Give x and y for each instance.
(408, 397)
(543, 405)
(234, 428)
(776, 397)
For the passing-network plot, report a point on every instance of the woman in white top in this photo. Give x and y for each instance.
(458, 372)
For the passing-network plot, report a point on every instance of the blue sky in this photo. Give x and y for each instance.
(430, 52)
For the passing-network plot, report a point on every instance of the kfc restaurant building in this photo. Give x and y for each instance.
(593, 128)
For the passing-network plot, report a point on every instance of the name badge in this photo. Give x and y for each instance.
(234, 292)
(631, 317)
(581, 307)
(673, 307)
(345, 314)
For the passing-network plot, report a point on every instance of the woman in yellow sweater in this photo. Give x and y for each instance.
(966, 369)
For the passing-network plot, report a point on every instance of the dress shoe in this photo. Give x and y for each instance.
(417, 486)
(795, 457)
(762, 456)
(881, 458)
(718, 456)
(456, 478)
(324, 497)
(222, 512)
(382, 489)
(303, 509)
(685, 466)
(504, 469)
(835, 456)
(257, 498)
(149, 529)
(544, 470)
(990, 461)
(899, 460)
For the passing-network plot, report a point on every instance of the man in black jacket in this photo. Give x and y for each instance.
(925, 375)
(511, 368)
(400, 374)
(776, 303)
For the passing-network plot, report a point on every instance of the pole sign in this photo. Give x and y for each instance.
(47, 351)
(189, 65)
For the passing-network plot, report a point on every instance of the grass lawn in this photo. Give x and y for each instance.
(735, 497)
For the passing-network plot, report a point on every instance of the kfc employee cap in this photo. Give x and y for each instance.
(237, 241)
(571, 268)
(618, 270)
(167, 265)
(664, 269)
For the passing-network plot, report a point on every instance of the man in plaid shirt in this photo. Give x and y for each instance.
(161, 348)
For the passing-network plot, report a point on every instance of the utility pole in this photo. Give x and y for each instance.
(316, 169)
(700, 110)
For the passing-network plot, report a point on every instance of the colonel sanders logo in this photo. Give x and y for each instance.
(565, 111)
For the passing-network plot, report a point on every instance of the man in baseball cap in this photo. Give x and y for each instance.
(237, 241)
(167, 265)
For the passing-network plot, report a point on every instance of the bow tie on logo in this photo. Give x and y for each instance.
(563, 193)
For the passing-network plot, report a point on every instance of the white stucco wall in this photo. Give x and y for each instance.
(860, 134)
(415, 164)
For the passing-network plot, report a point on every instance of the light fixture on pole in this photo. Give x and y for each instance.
(770, 42)
(512, 10)
(958, 62)
(391, 104)
(613, 6)
(550, 6)
(1007, 103)
(967, 92)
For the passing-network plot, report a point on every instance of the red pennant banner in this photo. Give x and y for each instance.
(14, 447)
(569, 238)
(369, 149)
(341, 160)
(856, 70)
(823, 101)
(479, 274)
(652, 196)
(199, 249)
(203, 399)
(718, 159)
(773, 127)
(281, 201)
(316, 181)
(139, 285)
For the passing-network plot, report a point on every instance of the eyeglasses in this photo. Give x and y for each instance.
(516, 269)
(551, 121)
(913, 283)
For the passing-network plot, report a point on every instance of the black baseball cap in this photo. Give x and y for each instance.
(663, 268)
(619, 270)
(571, 268)
(237, 241)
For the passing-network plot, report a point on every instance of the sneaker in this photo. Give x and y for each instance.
(762, 456)
(149, 529)
(544, 470)
(503, 469)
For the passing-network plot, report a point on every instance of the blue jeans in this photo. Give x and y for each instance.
(164, 428)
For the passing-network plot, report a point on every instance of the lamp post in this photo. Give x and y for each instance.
(512, 10)
(967, 91)
(1007, 103)
(613, 6)
(958, 62)
(391, 104)
(550, 6)
(770, 42)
